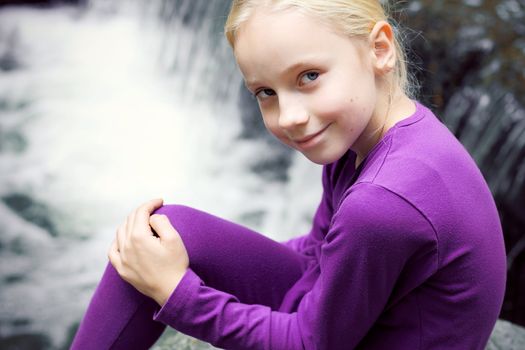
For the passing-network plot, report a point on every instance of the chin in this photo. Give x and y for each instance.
(323, 158)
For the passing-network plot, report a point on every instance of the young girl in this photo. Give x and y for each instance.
(405, 250)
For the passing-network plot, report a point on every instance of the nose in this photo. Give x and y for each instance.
(292, 114)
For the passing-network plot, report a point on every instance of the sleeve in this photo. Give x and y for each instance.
(305, 243)
(372, 236)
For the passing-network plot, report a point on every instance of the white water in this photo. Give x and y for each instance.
(107, 129)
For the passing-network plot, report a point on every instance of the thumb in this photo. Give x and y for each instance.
(162, 226)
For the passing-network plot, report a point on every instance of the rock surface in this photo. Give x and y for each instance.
(505, 336)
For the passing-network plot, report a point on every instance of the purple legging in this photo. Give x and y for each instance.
(226, 256)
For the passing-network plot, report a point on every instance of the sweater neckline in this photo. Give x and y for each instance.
(413, 118)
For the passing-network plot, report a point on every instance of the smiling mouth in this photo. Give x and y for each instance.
(310, 137)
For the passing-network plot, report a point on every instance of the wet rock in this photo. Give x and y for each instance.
(273, 167)
(40, 3)
(24, 341)
(31, 210)
(10, 51)
(171, 339)
(466, 43)
(252, 218)
(12, 141)
(506, 336)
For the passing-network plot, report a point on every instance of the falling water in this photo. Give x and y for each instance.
(102, 108)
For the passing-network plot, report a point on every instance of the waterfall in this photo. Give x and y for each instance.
(104, 106)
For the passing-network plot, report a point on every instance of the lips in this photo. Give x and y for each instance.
(310, 136)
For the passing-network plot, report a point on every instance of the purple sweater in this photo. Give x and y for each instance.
(406, 252)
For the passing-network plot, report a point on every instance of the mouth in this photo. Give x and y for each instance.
(311, 138)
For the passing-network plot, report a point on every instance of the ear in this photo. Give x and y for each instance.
(382, 47)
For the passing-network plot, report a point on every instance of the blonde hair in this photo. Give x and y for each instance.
(354, 18)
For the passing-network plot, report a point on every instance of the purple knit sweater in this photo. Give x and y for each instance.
(406, 252)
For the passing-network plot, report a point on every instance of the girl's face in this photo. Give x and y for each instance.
(316, 89)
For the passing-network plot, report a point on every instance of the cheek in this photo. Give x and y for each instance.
(327, 102)
(333, 105)
(271, 124)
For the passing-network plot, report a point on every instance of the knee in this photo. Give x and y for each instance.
(172, 210)
(189, 224)
(166, 209)
(181, 217)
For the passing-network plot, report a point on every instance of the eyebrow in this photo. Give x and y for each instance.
(285, 71)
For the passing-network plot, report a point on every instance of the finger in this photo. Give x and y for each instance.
(113, 255)
(162, 225)
(144, 212)
(129, 224)
(121, 237)
(135, 228)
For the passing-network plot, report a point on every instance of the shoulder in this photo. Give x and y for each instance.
(423, 163)
(373, 214)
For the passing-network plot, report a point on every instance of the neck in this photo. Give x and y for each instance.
(385, 117)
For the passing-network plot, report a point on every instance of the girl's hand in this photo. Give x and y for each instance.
(153, 265)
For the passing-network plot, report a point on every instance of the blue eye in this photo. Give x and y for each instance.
(264, 93)
(310, 76)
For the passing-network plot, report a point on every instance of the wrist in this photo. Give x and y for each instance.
(164, 291)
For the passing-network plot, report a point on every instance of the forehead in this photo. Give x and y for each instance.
(270, 41)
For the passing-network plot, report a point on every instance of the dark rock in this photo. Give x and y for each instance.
(12, 141)
(40, 3)
(31, 210)
(24, 341)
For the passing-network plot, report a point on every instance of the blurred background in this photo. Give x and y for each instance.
(106, 104)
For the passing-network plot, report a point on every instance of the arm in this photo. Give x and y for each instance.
(371, 237)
